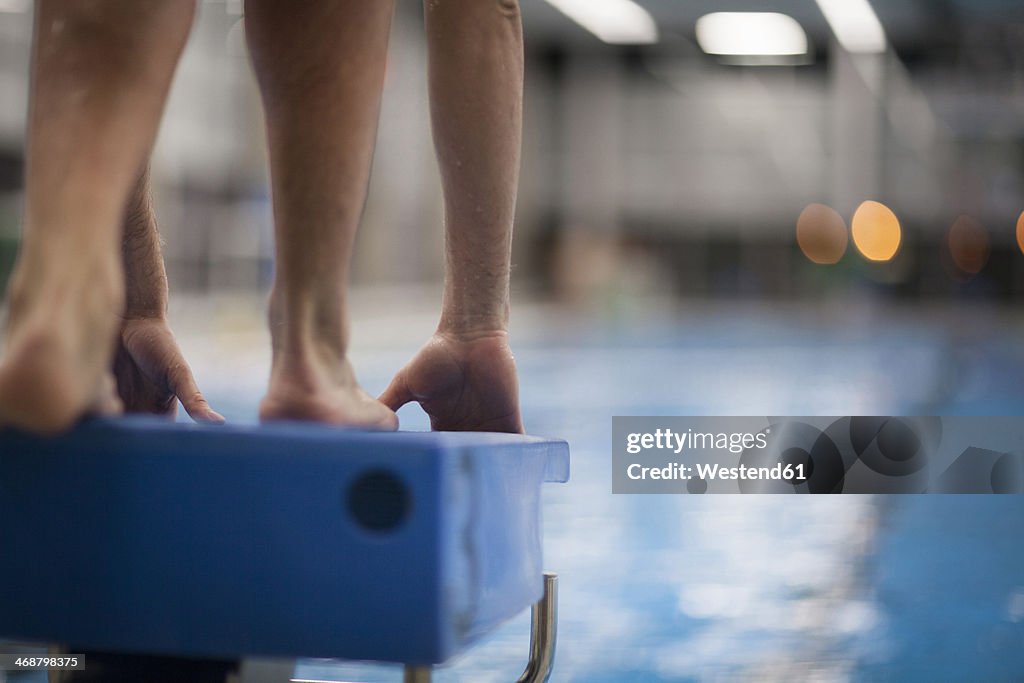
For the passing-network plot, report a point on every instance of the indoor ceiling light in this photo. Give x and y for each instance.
(613, 21)
(750, 33)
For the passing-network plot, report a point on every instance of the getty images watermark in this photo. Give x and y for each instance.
(817, 455)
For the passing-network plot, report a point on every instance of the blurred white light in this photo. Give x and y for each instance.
(750, 33)
(14, 5)
(613, 21)
(855, 25)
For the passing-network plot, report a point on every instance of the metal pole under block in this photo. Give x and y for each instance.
(543, 634)
(417, 674)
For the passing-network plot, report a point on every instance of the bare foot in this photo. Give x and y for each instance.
(307, 390)
(60, 338)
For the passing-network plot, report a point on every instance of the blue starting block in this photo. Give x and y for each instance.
(291, 540)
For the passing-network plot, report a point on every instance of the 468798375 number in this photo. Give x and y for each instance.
(40, 662)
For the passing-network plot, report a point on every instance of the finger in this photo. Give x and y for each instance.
(184, 386)
(397, 394)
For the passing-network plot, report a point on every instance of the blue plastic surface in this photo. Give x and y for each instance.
(140, 535)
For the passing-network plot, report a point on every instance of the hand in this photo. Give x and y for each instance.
(462, 383)
(152, 375)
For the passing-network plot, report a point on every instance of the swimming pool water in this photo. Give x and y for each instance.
(673, 588)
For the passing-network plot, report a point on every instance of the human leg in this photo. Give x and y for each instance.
(320, 67)
(100, 75)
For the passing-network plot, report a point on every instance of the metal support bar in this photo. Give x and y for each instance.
(543, 634)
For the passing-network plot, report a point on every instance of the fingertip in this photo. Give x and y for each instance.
(209, 416)
(200, 411)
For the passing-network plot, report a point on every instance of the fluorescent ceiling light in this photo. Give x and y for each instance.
(855, 25)
(750, 33)
(613, 21)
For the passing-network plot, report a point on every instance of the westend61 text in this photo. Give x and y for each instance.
(710, 472)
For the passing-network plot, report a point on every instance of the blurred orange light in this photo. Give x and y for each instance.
(821, 234)
(968, 244)
(876, 231)
(1020, 232)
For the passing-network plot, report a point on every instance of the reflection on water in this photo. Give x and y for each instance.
(670, 588)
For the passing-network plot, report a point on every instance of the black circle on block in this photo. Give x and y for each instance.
(696, 486)
(379, 501)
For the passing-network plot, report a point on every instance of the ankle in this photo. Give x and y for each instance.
(304, 328)
(39, 287)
